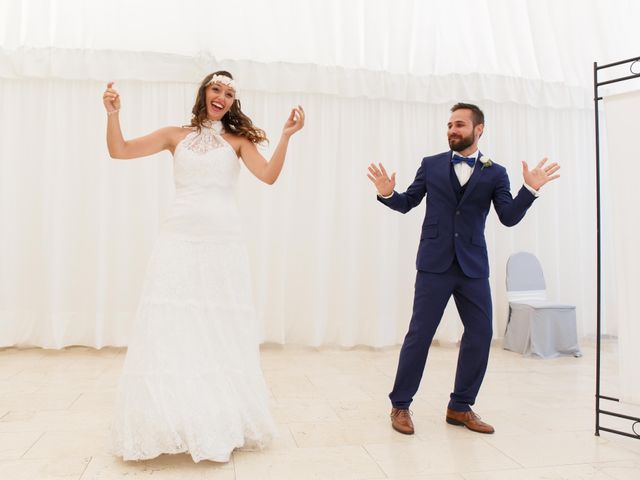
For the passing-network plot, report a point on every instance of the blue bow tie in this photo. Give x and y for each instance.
(457, 159)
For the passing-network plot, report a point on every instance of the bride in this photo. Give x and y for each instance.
(192, 380)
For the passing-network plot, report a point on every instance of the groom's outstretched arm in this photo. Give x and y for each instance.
(511, 210)
(401, 202)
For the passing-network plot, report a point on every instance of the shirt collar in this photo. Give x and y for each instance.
(473, 155)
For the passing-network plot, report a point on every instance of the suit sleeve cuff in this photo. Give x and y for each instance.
(535, 193)
(389, 196)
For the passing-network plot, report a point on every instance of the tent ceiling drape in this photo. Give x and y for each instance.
(387, 48)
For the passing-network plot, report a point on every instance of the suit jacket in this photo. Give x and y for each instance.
(455, 229)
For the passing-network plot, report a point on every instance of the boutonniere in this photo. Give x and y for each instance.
(486, 162)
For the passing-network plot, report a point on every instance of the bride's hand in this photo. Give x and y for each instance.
(295, 121)
(111, 99)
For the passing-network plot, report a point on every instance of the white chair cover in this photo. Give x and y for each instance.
(536, 327)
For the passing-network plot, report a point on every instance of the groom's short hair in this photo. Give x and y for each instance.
(477, 117)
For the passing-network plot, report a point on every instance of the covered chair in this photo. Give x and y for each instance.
(536, 327)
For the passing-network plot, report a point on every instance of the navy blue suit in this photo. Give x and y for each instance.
(452, 260)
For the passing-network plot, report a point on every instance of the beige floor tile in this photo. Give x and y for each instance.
(20, 421)
(69, 444)
(350, 432)
(512, 421)
(344, 463)
(377, 409)
(38, 401)
(621, 470)
(438, 456)
(165, 467)
(284, 438)
(352, 393)
(55, 420)
(53, 469)
(565, 472)
(436, 476)
(94, 401)
(632, 444)
(287, 385)
(11, 386)
(341, 389)
(371, 382)
(536, 450)
(434, 427)
(78, 386)
(293, 410)
(9, 370)
(14, 445)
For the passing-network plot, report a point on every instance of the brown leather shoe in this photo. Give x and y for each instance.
(401, 420)
(468, 419)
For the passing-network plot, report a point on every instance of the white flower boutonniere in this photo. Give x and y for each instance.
(486, 162)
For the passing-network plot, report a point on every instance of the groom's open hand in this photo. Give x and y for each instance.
(384, 184)
(540, 175)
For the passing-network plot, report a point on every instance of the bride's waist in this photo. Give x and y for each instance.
(203, 216)
(194, 192)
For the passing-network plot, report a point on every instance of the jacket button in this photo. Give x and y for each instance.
(455, 234)
(457, 212)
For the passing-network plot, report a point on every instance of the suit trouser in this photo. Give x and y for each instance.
(473, 301)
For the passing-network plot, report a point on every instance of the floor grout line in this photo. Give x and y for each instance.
(74, 401)
(374, 461)
(85, 468)
(32, 445)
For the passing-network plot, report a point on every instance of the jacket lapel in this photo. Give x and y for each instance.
(473, 180)
(444, 175)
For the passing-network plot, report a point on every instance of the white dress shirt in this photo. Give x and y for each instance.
(462, 170)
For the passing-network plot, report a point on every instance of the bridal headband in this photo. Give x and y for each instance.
(224, 80)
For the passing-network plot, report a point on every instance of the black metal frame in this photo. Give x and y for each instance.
(596, 84)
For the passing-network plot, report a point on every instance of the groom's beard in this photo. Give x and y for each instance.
(458, 144)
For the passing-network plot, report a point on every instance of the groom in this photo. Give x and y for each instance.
(452, 258)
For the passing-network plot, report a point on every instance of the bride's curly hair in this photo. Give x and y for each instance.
(234, 120)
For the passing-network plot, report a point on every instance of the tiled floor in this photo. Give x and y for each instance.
(332, 410)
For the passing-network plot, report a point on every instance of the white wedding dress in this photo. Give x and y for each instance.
(192, 380)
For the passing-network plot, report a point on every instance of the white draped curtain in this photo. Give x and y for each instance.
(330, 264)
(621, 227)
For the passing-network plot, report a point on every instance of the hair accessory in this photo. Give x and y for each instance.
(222, 79)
